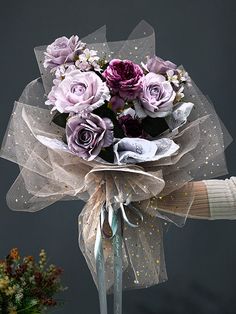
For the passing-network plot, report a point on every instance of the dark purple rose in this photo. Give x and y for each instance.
(87, 135)
(124, 77)
(131, 126)
(62, 50)
(159, 66)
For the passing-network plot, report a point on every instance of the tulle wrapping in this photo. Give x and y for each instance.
(161, 190)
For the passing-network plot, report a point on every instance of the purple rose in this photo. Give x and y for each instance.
(62, 50)
(156, 98)
(117, 103)
(87, 135)
(131, 126)
(124, 77)
(77, 92)
(159, 66)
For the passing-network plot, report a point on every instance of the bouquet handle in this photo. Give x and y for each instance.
(100, 263)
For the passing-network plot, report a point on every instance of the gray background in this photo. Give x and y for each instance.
(201, 257)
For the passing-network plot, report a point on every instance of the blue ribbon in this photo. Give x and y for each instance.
(100, 267)
(117, 247)
(114, 221)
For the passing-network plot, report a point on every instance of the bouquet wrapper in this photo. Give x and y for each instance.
(121, 225)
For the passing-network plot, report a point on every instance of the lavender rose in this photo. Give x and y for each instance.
(77, 92)
(156, 98)
(87, 135)
(62, 50)
(159, 66)
(124, 77)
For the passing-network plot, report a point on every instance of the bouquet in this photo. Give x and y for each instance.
(115, 125)
(115, 111)
(27, 286)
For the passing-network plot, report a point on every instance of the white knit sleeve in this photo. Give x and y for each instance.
(222, 198)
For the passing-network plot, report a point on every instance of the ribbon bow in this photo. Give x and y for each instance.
(116, 230)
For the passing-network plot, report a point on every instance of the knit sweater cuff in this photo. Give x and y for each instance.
(222, 198)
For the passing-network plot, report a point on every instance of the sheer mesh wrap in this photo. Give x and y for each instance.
(155, 188)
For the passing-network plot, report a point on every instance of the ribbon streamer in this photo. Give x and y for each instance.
(117, 247)
(115, 225)
(114, 221)
(100, 267)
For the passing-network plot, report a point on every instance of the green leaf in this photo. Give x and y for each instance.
(118, 132)
(154, 126)
(60, 119)
(107, 154)
(105, 112)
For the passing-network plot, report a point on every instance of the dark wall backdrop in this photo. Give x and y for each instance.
(201, 257)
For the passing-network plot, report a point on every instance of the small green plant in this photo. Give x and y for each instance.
(27, 286)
